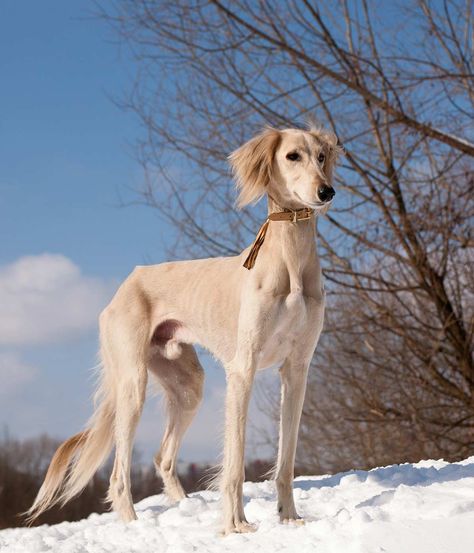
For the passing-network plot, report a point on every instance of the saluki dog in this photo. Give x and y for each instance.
(250, 311)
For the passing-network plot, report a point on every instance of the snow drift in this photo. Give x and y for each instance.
(410, 508)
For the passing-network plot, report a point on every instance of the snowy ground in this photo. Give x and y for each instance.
(424, 507)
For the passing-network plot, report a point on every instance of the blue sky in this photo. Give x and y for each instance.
(66, 163)
(66, 148)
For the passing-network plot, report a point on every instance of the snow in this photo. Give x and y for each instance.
(427, 507)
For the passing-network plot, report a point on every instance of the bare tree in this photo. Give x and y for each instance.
(395, 371)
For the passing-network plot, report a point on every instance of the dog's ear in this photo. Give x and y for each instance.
(335, 145)
(252, 165)
(333, 149)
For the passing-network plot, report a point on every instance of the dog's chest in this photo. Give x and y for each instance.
(292, 318)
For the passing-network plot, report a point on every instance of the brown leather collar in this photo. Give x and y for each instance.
(286, 215)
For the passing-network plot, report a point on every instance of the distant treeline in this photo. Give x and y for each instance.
(23, 464)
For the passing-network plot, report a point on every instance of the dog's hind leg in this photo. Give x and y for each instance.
(182, 380)
(124, 346)
(131, 395)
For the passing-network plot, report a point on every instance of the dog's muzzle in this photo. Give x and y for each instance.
(326, 193)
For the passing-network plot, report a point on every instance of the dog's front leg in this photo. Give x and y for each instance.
(240, 375)
(293, 387)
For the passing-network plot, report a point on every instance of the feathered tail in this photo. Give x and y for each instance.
(78, 459)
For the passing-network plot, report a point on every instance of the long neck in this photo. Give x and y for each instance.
(293, 243)
(273, 206)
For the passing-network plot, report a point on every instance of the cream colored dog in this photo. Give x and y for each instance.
(249, 319)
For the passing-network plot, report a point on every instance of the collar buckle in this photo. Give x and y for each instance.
(304, 214)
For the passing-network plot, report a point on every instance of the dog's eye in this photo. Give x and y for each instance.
(321, 157)
(293, 156)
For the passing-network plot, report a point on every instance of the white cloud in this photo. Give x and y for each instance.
(14, 373)
(45, 298)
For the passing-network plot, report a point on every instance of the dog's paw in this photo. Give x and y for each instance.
(245, 527)
(288, 515)
(241, 527)
(296, 521)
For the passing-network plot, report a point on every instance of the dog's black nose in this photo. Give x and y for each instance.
(326, 193)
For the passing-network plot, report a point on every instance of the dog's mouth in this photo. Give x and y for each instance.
(313, 205)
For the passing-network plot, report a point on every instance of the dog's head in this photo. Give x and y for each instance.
(294, 166)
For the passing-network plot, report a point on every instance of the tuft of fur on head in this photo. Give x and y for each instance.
(329, 138)
(252, 165)
(333, 147)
